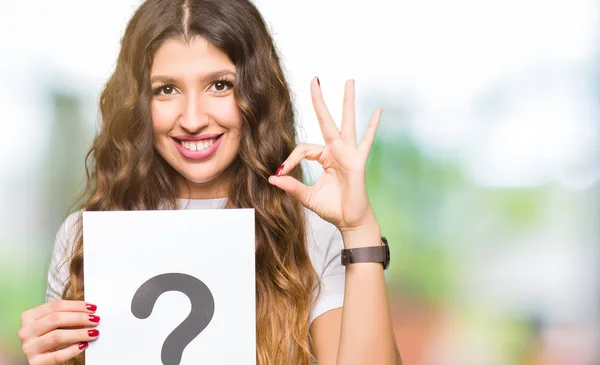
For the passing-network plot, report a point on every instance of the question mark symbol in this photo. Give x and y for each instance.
(203, 308)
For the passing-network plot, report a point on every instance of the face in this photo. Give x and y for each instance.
(195, 119)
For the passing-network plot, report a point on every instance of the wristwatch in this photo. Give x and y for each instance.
(368, 254)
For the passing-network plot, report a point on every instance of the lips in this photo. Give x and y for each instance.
(190, 138)
(198, 148)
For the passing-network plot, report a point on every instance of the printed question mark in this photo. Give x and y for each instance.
(203, 308)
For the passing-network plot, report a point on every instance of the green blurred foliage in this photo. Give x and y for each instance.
(21, 288)
(407, 190)
(23, 281)
(433, 215)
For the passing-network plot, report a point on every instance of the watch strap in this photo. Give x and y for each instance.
(367, 254)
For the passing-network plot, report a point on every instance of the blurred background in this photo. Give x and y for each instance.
(485, 174)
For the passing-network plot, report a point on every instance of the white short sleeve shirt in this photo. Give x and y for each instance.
(324, 248)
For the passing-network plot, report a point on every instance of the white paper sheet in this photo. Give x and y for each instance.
(211, 247)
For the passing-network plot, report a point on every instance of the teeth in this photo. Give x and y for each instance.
(198, 146)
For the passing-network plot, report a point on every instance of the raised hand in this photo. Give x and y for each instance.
(339, 195)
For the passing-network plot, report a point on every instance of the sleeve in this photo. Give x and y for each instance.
(58, 273)
(332, 277)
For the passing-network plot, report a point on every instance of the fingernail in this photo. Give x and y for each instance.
(95, 319)
(318, 82)
(278, 172)
(91, 307)
(93, 333)
(83, 345)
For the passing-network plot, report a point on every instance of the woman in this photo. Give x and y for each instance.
(198, 114)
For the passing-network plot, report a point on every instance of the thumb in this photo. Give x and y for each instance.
(292, 186)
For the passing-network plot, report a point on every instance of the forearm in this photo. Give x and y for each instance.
(367, 335)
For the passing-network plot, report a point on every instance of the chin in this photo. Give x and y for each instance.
(204, 175)
(199, 178)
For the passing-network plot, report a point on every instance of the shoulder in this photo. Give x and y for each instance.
(67, 231)
(318, 231)
(324, 248)
(64, 242)
(324, 241)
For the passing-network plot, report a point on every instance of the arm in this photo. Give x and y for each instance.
(58, 330)
(361, 331)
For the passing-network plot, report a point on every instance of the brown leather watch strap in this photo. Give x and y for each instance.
(367, 254)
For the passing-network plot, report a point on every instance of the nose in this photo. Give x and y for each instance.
(194, 116)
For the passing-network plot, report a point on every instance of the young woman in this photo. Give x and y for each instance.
(197, 114)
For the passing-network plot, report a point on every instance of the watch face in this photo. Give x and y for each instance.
(386, 263)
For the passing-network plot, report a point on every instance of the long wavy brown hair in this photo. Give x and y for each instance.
(125, 172)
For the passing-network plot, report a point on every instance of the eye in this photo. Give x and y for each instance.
(164, 90)
(221, 86)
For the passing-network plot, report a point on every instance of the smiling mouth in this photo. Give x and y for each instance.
(195, 146)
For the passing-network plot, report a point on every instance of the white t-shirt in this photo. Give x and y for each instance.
(324, 248)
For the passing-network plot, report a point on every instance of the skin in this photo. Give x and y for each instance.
(192, 103)
(361, 331)
(43, 330)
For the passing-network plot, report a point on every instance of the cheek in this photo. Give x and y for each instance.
(164, 116)
(232, 114)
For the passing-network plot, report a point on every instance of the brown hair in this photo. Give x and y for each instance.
(126, 173)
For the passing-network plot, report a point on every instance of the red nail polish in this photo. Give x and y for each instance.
(278, 172)
(93, 333)
(91, 307)
(83, 345)
(95, 319)
(318, 82)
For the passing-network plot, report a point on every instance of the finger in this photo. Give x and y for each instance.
(302, 151)
(56, 320)
(60, 356)
(328, 127)
(58, 339)
(294, 187)
(348, 114)
(56, 306)
(367, 141)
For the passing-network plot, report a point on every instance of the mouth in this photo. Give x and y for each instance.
(196, 146)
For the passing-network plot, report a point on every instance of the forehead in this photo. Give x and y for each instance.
(198, 55)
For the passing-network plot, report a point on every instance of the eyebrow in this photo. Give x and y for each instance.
(210, 76)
